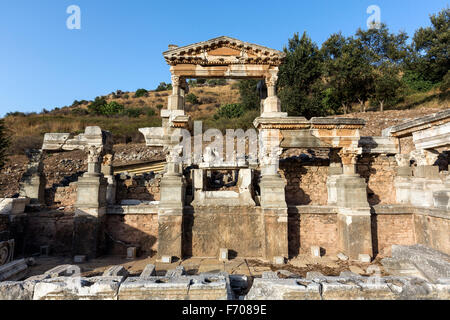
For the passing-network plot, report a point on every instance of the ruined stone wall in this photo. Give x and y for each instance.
(239, 229)
(305, 181)
(66, 196)
(379, 172)
(137, 230)
(53, 228)
(312, 229)
(143, 187)
(433, 231)
(390, 229)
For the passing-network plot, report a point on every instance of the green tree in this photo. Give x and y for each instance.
(298, 75)
(347, 70)
(383, 50)
(387, 86)
(249, 97)
(164, 86)
(112, 108)
(97, 105)
(430, 48)
(141, 93)
(4, 143)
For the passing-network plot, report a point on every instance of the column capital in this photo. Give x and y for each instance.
(424, 157)
(403, 160)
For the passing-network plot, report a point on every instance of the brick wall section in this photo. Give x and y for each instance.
(318, 230)
(53, 228)
(379, 172)
(306, 230)
(139, 188)
(305, 183)
(433, 232)
(132, 230)
(66, 196)
(391, 229)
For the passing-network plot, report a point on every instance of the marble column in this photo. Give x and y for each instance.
(170, 214)
(272, 104)
(272, 195)
(403, 180)
(90, 207)
(108, 173)
(176, 99)
(354, 218)
(334, 171)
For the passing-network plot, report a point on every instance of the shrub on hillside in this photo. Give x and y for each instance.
(192, 98)
(163, 87)
(141, 93)
(230, 111)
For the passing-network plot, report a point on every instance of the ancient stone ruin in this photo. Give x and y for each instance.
(306, 187)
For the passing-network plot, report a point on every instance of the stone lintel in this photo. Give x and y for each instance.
(418, 124)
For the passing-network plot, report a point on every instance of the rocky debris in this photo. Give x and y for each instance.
(116, 271)
(95, 288)
(429, 263)
(177, 272)
(342, 257)
(17, 290)
(15, 270)
(221, 286)
(136, 153)
(149, 271)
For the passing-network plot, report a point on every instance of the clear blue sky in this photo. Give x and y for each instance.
(45, 65)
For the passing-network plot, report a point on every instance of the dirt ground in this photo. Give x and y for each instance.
(299, 266)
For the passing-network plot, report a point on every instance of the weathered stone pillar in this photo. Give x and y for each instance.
(354, 219)
(426, 178)
(90, 208)
(176, 99)
(402, 181)
(272, 104)
(32, 183)
(273, 200)
(334, 171)
(108, 173)
(170, 214)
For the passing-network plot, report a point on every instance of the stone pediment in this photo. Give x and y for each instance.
(223, 51)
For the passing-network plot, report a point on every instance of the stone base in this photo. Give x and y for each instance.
(272, 192)
(355, 234)
(422, 191)
(276, 233)
(33, 187)
(403, 189)
(91, 192)
(89, 238)
(351, 191)
(173, 189)
(170, 233)
(332, 190)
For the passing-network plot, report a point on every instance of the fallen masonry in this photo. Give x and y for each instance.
(222, 286)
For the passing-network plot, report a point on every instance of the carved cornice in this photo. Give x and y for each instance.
(249, 53)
